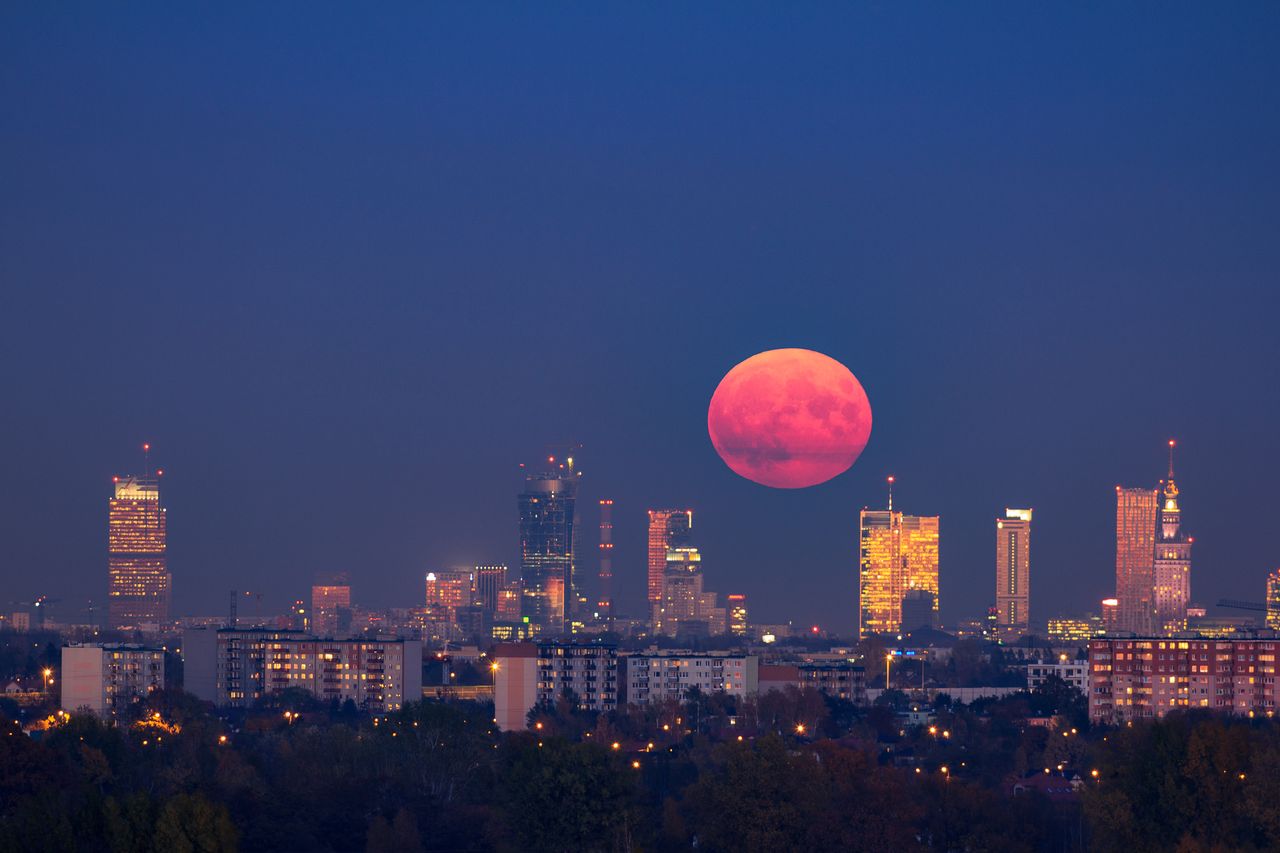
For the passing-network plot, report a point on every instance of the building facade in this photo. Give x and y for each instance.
(738, 616)
(106, 678)
(1172, 565)
(897, 553)
(331, 606)
(1136, 511)
(586, 671)
(1273, 600)
(659, 676)
(236, 668)
(1143, 678)
(490, 581)
(138, 580)
(1073, 672)
(447, 590)
(1013, 574)
(668, 528)
(547, 549)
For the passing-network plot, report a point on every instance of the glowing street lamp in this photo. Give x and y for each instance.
(48, 678)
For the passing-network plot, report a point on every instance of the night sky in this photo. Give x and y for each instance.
(345, 269)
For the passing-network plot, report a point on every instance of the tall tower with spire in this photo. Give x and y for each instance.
(1172, 560)
(897, 555)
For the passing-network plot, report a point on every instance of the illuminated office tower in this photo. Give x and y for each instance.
(897, 553)
(447, 590)
(1013, 574)
(739, 623)
(1135, 559)
(331, 606)
(686, 608)
(490, 581)
(138, 579)
(1172, 561)
(668, 528)
(547, 540)
(1273, 600)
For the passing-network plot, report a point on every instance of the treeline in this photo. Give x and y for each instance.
(791, 771)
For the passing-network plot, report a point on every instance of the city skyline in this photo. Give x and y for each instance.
(404, 280)
(1170, 534)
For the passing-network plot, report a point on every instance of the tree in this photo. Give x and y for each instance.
(189, 823)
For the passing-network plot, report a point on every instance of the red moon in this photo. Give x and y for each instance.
(789, 418)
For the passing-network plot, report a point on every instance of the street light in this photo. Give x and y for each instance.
(48, 678)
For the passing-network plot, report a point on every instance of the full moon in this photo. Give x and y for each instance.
(789, 418)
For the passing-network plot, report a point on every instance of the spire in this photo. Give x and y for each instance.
(890, 493)
(1171, 488)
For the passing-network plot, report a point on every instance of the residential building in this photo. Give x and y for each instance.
(515, 684)
(658, 676)
(1073, 672)
(235, 668)
(586, 671)
(106, 678)
(1142, 678)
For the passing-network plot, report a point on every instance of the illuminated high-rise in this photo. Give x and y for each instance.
(331, 606)
(1273, 600)
(668, 528)
(739, 620)
(447, 590)
(137, 569)
(490, 581)
(547, 547)
(1136, 511)
(1172, 567)
(1013, 574)
(897, 553)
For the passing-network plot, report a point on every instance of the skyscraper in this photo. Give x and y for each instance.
(739, 619)
(897, 553)
(686, 607)
(1172, 561)
(1273, 600)
(490, 581)
(1135, 559)
(331, 606)
(447, 590)
(668, 528)
(1013, 573)
(138, 579)
(547, 547)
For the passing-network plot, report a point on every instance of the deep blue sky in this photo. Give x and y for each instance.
(346, 268)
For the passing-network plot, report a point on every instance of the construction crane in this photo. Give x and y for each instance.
(1242, 605)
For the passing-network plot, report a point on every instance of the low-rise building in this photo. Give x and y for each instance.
(106, 678)
(235, 668)
(656, 676)
(1073, 672)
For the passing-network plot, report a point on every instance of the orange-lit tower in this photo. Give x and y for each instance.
(1136, 511)
(668, 528)
(138, 580)
(1172, 561)
(897, 554)
(605, 604)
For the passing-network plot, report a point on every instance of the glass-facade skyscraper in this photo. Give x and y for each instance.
(1135, 559)
(668, 528)
(547, 548)
(138, 578)
(897, 553)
